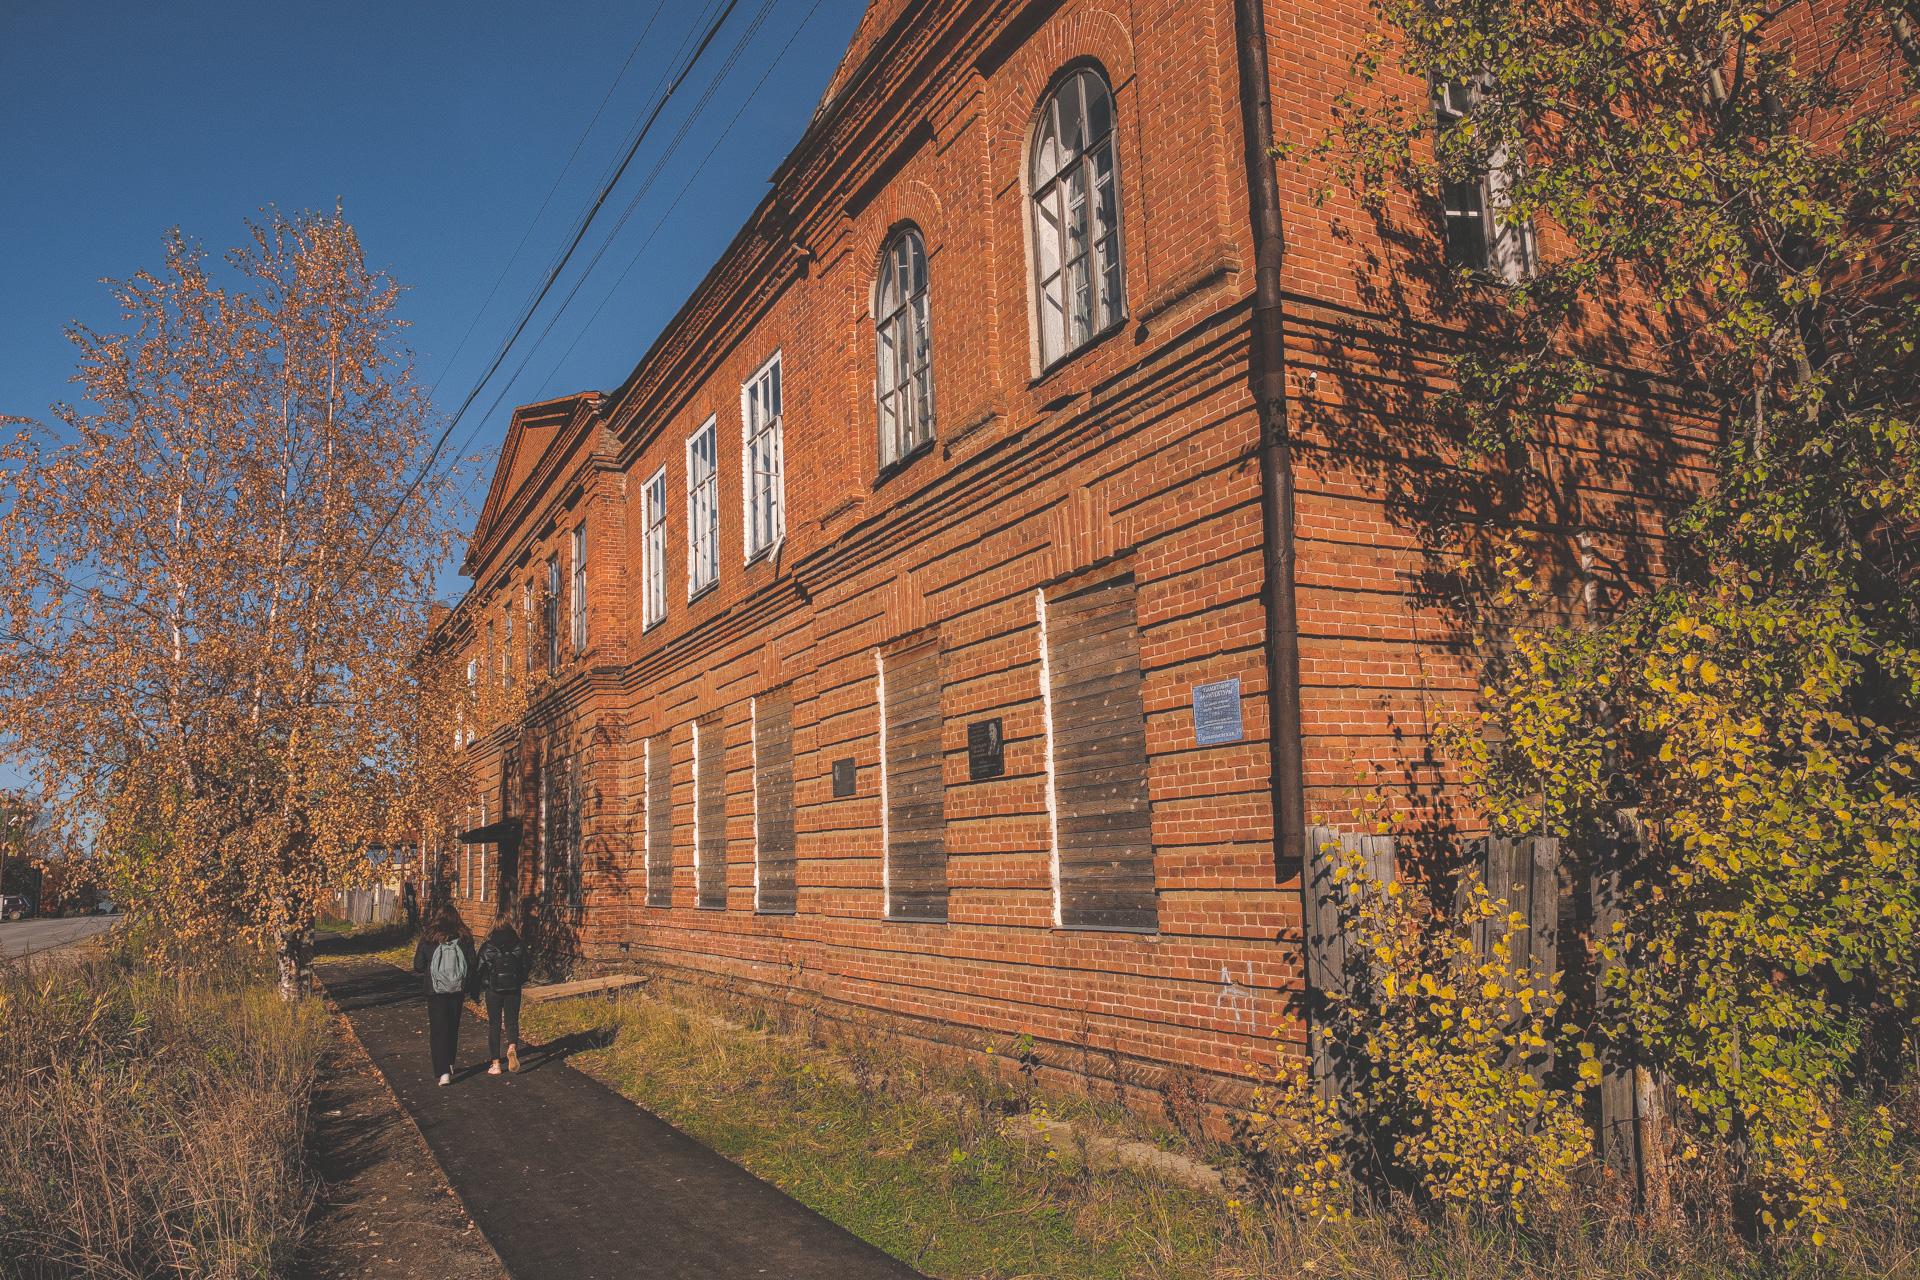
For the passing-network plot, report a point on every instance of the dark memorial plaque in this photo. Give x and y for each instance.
(986, 749)
(1216, 712)
(843, 776)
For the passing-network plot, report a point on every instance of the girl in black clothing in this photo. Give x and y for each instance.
(445, 955)
(503, 971)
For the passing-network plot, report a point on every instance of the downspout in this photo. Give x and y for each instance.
(1267, 370)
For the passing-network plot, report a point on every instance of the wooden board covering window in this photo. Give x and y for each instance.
(659, 822)
(916, 790)
(710, 768)
(1099, 737)
(773, 800)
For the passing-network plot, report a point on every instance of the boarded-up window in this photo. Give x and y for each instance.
(773, 802)
(1097, 754)
(659, 822)
(710, 813)
(915, 798)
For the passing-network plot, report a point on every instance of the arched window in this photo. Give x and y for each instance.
(903, 386)
(1078, 276)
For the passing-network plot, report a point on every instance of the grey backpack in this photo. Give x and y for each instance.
(449, 968)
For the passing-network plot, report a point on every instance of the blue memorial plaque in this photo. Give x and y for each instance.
(1216, 712)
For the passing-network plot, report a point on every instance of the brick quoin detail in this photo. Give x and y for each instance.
(1139, 447)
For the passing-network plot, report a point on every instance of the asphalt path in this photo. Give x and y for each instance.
(30, 937)
(570, 1181)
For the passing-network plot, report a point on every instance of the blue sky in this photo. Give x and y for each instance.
(441, 127)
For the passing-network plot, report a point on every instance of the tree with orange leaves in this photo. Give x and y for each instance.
(215, 580)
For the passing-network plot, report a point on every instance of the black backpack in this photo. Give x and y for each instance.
(506, 965)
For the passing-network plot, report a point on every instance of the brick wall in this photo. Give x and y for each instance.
(1135, 455)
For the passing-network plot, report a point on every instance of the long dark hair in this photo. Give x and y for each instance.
(445, 925)
(503, 931)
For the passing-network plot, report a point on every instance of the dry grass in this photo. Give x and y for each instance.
(918, 1161)
(151, 1128)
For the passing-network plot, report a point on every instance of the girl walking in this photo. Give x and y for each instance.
(503, 971)
(445, 956)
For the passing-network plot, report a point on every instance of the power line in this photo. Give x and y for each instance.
(681, 195)
(541, 211)
(640, 194)
(573, 245)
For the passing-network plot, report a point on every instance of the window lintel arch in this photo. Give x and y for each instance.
(897, 230)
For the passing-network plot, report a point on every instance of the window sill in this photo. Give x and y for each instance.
(1067, 358)
(905, 460)
(767, 911)
(709, 589)
(917, 919)
(1152, 935)
(768, 552)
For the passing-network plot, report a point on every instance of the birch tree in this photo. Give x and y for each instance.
(215, 580)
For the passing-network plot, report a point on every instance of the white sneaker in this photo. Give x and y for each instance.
(446, 1077)
(494, 1068)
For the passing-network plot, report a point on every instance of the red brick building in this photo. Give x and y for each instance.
(895, 631)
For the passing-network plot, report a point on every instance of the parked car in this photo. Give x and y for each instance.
(14, 907)
(105, 907)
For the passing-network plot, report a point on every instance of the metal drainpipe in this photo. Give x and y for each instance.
(1268, 375)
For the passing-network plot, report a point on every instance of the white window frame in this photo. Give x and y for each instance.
(653, 546)
(763, 485)
(550, 613)
(579, 601)
(506, 643)
(1098, 264)
(703, 511)
(1500, 250)
(483, 851)
(529, 623)
(903, 347)
(473, 694)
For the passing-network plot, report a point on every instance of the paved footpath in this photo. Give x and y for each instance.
(570, 1180)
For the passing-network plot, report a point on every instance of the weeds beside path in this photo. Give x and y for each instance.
(148, 1126)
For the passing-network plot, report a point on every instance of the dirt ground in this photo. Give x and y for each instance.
(383, 1210)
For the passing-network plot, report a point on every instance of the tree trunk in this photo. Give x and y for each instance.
(295, 963)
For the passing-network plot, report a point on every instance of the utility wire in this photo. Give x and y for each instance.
(539, 213)
(573, 245)
(681, 195)
(713, 87)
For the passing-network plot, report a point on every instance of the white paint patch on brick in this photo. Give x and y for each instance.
(1046, 717)
(886, 842)
(753, 755)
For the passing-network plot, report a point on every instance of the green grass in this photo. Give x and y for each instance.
(916, 1160)
(913, 1160)
(339, 942)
